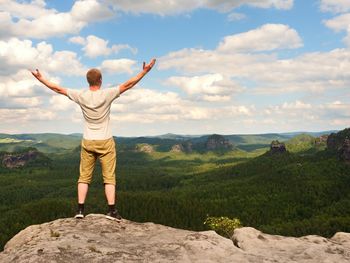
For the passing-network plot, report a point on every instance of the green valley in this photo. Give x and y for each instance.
(180, 180)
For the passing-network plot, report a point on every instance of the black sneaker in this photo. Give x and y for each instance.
(79, 214)
(114, 216)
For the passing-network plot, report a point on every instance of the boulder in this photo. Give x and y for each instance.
(311, 248)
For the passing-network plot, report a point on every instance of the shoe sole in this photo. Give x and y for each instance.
(79, 216)
(113, 218)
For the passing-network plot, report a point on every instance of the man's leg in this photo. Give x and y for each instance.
(87, 164)
(82, 192)
(108, 162)
(110, 193)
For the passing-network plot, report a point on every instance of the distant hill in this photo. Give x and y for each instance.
(44, 142)
(306, 143)
(60, 143)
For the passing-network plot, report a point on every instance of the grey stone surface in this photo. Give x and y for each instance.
(97, 239)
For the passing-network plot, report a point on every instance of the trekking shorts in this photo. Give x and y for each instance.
(104, 150)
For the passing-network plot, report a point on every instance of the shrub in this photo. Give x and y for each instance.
(224, 226)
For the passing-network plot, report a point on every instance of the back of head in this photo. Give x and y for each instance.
(94, 77)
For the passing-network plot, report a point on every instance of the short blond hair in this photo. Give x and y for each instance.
(94, 77)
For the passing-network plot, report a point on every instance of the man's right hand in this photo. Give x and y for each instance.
(149, 66)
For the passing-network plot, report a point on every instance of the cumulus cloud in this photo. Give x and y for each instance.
(20, 102)
(210, 87)
(339, 23)
(62, 103)
(33, 20)
(18, 116)
(33, 9)
(169, 7)
(94, 46)
(303, 114)
(265, 38)
(78, 40)
(148, 106)
(335, 6)
(17, 54)
(310, 72)
(122, 65)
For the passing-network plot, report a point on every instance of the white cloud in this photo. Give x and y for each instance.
(77, 40)
(265, 38)
(17, 54)
(90, 10)
(210, 87)
(297, 105)
(339, 23)
(148, 106)
(290, 115)
(224, 5)
(241, 110)
(62, 103)
(23, 9)
(234, 16)
(33, 20)
(335, 6)
(21, 84)
(95, 46)
(311, 72)
(20, 116)
(216, 98)
(118, 65)
(20, 102)
(170, 7)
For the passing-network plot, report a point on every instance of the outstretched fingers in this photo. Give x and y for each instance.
(153, 61)
(36, 73)
(149, 66)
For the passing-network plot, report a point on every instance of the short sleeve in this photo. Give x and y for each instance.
(113, 93)
(73, 95)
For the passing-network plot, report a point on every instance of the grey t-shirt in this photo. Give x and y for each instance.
(96, 108)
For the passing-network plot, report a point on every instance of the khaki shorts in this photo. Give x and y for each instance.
(105, 151)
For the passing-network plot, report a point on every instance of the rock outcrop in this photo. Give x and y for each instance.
(340, 143)
(345, 150)
(218, 142)
(277, 147)
(187, 146)
(96, 239)
(182, 147)
(16, 160)
(322, 140)
(177, 148)
(145, 147)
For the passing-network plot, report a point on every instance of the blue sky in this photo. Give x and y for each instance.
(228, 67)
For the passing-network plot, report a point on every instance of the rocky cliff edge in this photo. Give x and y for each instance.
(96, 239)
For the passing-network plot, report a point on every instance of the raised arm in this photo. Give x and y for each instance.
(132, 82)
(50, 85)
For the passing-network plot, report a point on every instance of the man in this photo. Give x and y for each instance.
(97, 141)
